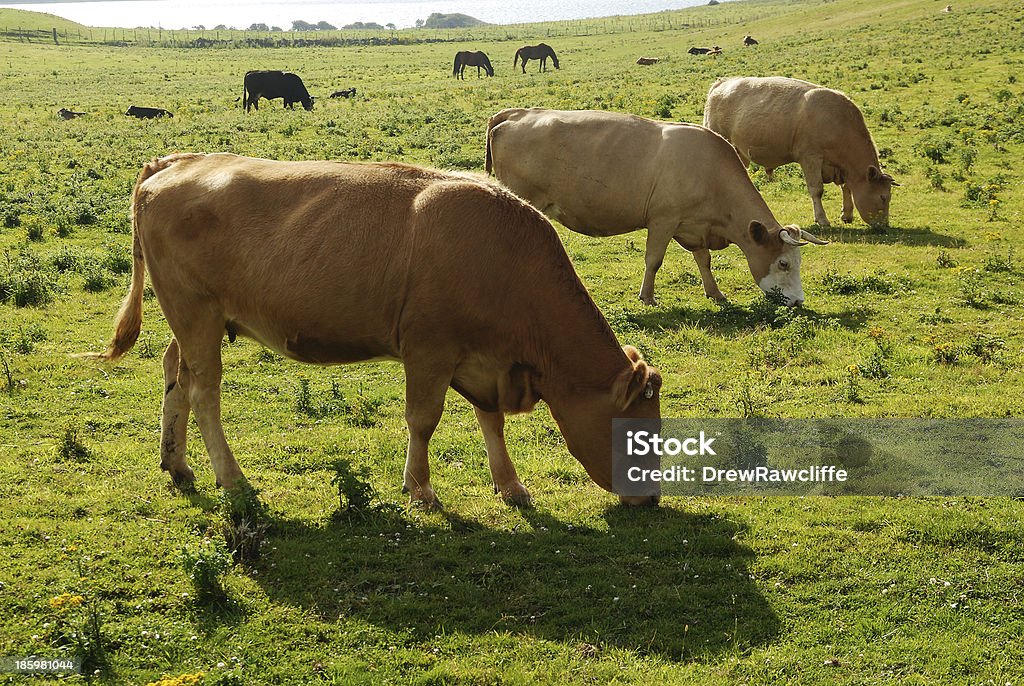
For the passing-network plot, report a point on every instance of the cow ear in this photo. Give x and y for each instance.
(873, 173)
(630, 384)
(517, 390)
(632, 353)
(759, 232)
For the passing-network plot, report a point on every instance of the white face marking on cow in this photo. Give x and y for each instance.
(784, 275)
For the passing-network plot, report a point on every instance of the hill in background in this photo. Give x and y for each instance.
(451, 21)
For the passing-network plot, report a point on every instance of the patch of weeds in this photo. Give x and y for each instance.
(35, 228)
(851, 389)
(847, 284)
(8, 374)
(984, 346)
(935, 147)
(970, 291)
(663, 108)
(357, 497)
(205, 563)
(981, 195)
(752, 400)
(75, 623)
(936, 179)
(935, 317)
(71, 448)
(96, 279)
(946, 353)
(945, 260)
(65, 260)
(26, 282)
(313, 405)
(246, 522)
(24, 342)
(997, 264)
(874, 366)
(116, 258)
(364, 410)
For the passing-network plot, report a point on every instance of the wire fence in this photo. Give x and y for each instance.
(232, 38)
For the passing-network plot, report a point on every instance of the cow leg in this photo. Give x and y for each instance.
(657, 244)
(770, 173)
(816, 188)
(199, 340)
(174, 418)
(503, 473)
(847, 204)
(425, 390)
(702, 256)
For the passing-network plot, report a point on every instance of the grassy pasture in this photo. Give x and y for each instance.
(921, 320)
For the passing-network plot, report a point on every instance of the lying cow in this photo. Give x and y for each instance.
(775, 120)
(147, 112)
(273, 85)
(647, 60)
(699, 51)
(604, 174)
(460, 280)
(344, 93)
(68, 114)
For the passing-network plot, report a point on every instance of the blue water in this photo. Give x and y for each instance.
(173, 14)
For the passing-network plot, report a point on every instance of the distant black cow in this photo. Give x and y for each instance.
(748, 41)
(699, 51)
(346, 93)
(272, 85)
(68, 114)
(147, 112)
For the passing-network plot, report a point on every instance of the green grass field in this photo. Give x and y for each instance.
(922, 320)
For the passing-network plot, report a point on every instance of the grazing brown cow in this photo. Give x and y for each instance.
(647, 60)
(329, 262)
(775, 120)
(605, 174)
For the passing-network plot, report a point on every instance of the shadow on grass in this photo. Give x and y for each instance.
(731, 319)
(893, 235)
(657, 581)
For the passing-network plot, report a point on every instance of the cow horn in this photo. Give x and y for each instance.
(787, 237)
(811, 238)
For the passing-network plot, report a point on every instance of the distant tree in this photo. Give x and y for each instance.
(324, 26)
(276, 29)
(390, 26)
(199, 27)
(362, 25)
(258, 27)
(299, 25)
(220, 27)
(419, 23)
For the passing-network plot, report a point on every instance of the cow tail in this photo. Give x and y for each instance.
(455, 68)
(491, 123)
(515, 60)
(128, 322)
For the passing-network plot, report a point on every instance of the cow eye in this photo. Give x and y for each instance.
(784, 265)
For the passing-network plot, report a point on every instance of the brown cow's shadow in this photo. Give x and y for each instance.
(657, 581)
(731, 319)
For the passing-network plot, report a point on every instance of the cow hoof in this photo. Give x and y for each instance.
(718, 297)
(431, 504)
(650, 302)
(516, 495)
(848, 220)
(184, 479)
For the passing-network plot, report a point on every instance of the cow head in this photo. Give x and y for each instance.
(774, 259)
(872, 194)
(585, 417)
(307, 103)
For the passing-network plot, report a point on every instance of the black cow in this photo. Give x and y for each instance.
(64, 113)
(272, 85)
(748, 41)
(346, 93)
(699, 51)
(147, 112)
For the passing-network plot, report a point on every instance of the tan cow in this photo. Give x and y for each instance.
(328, 263)
(775, 120)
(605, 174)
(647, 61)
